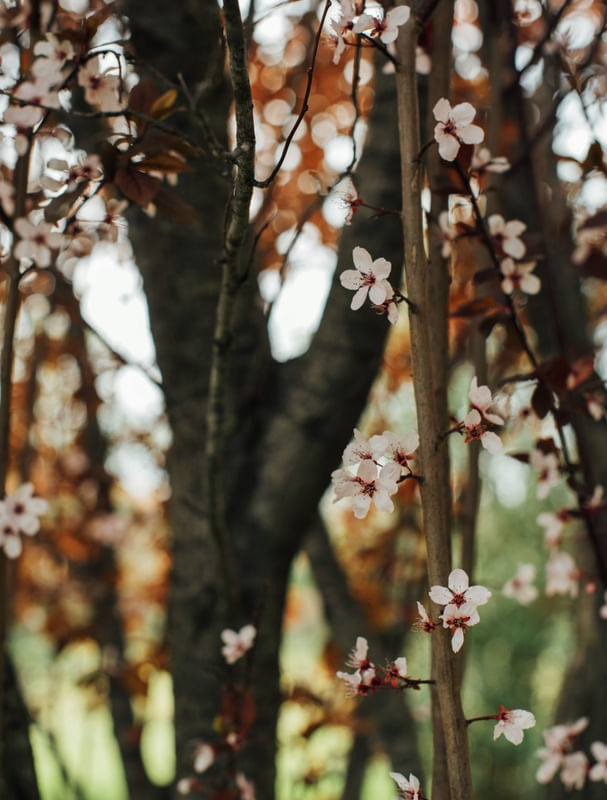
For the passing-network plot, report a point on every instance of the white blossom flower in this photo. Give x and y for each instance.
(401, 450)
(459, 592)
(359, 655)
(101, 88)
(22, 510)
(409, 789)
(36, 241)
(512, 723)
(399, 667)
(52, 56)
(547, 466)
(365, 486)
(204, 756)
(481, 399)
(483, 161)
(245, 787)
(235, 645)
(518, 276)
(424, 623)
(362, 449)
(553, 523)
(475, 429)
(574, 770)
(521, 587)
(10, 541)
(37, 91)
(359, 682)
(599, 770)
(458, 619)
(448, 234)
(385, 29)
(559, 742)
(369, 277)
(562, 575)
(506, 235)
(454, 126)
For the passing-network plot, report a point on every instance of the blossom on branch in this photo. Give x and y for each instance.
(518, 276)
(20, 512)
(559, 743)
(365, 486)
(454, 126)
(235, 645)
(505, 236)
(599, 770)
(547, 466)
(386, 29)
(512, 723)
(36, 241)
(459, 592)
(409, 789)
(369, 277)
(458, 619)
(562, 575)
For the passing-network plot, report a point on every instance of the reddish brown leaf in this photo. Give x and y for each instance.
(137, 186)
(541, 400)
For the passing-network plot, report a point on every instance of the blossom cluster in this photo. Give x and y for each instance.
(353, 20)
(20, 513)
(460, 601)
(367, 678)
(559, 755)
(480, 418)
(375, 481)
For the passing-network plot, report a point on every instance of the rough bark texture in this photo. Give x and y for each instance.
(286, 427)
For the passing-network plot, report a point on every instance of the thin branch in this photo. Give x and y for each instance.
(304, 106)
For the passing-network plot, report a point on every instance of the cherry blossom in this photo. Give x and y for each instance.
(385, 29)
(459, 592)
(204, 756)
(505, 235)
(518, 276)
(424, 622)
(447, 232)
(365, 486)
(574, 770)
(100, 88)
(483, 161)
(341, 26)
(360, 682)
(409, 789)
(36, 241)
(481, 399)
(562, 575)
(22, 510)
(521, 587)
(458, 619)
(559, 743)
(553, 523)
(237, 644)
(359, 658)
(361, 448)
(37, 91)
(599, 770)
(52, 57)
(369, 277)
(512, 723)
(10, 541)
(547, 466)
(401, 450)
(475, 429)
(454, 126)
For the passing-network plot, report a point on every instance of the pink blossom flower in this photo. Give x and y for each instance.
(52, 57)
(359, 656)
(235, 645)
(361, 449)
(365, 486)
(505, 235)
(553, 523)
(562, 575)
(369, 277)
(401, 450)
(458, 619)
(454, 126)
(521, 587)
(459, 592)
(409, 789)
(360, 682)
(448, 234)
(547, 466)
(599, 770)
(39, 92)
(22, 510)
(10, 541)
(559, 742)
(101, 88)
(385, 29)
(483, 161)
(424, 622)
(512, 723)
(574, 770)
(481, 399)
(518, 276)
(36, 241)
(475, 429)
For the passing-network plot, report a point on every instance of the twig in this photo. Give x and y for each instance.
(304, 106)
